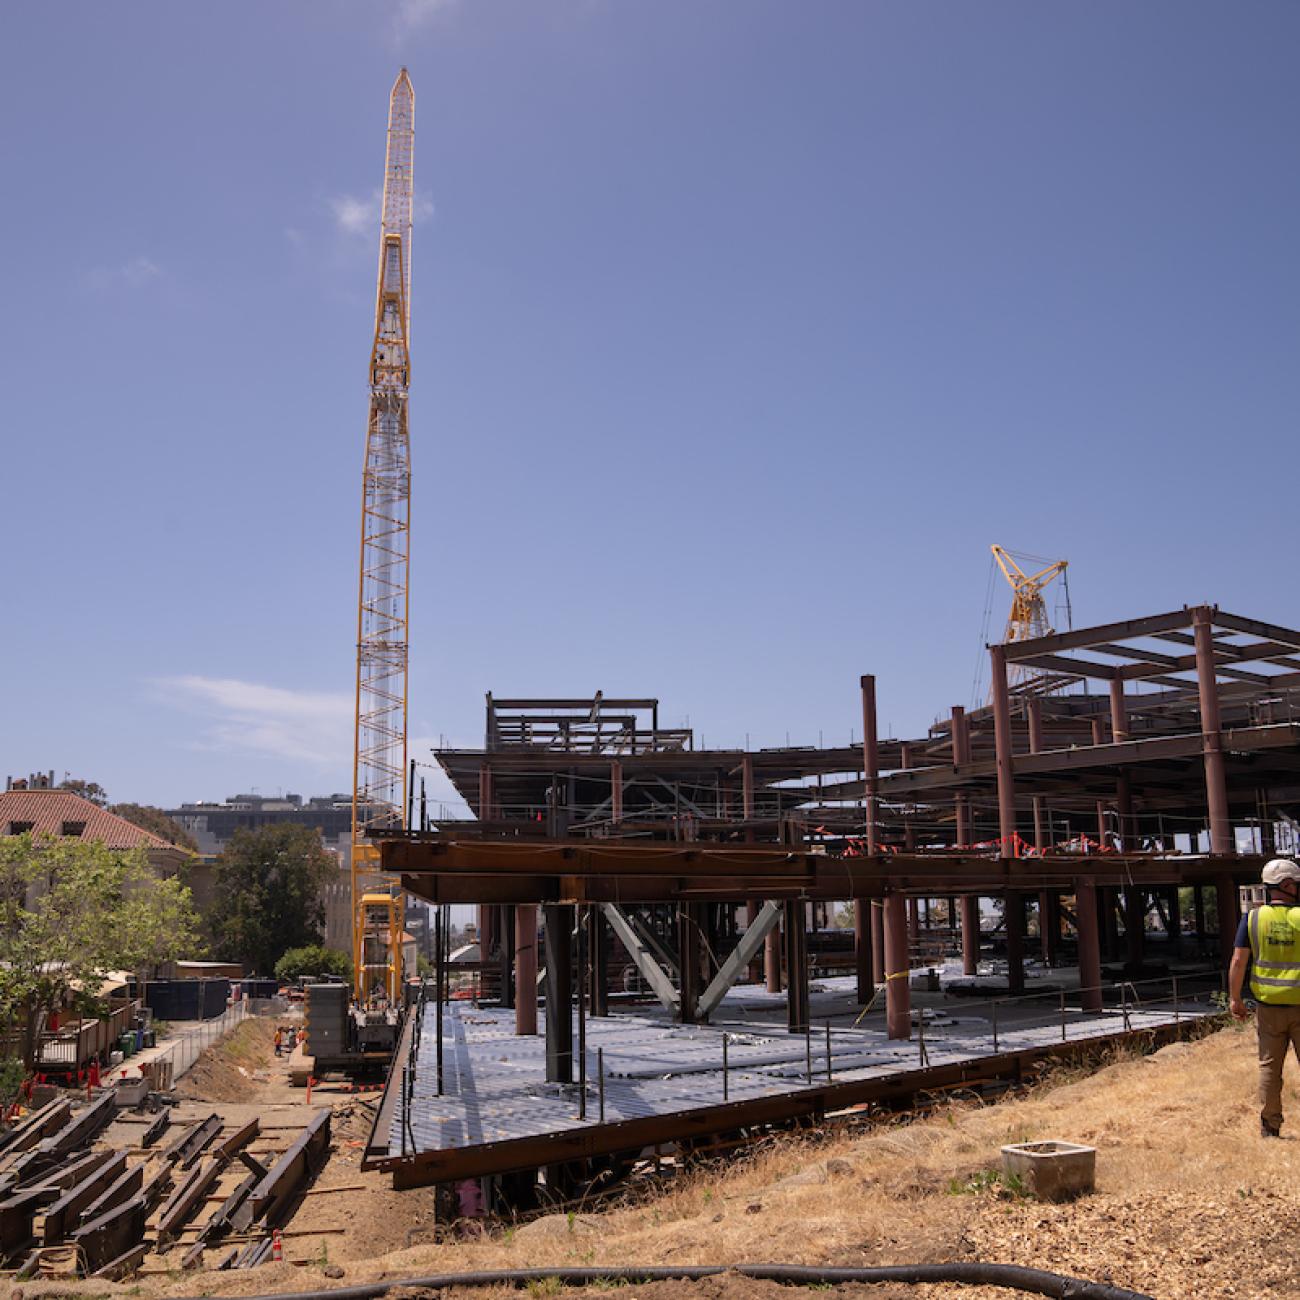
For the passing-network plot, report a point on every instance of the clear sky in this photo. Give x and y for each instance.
(740, 330)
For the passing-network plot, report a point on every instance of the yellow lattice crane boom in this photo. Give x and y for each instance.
(383, 606)
(1028, 616)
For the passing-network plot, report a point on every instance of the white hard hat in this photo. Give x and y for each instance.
(1278, 870)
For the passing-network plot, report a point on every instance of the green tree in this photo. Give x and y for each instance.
(267, 894)
(71, 912)
(156, 822)
(313, 960)
(91, 790)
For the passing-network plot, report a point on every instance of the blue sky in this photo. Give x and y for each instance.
(740, 331)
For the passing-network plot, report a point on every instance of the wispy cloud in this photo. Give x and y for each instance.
(132, 274)
(413, 14)
(253, 718)
(356, 214)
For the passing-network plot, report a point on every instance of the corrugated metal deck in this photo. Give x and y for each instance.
(495, 1089)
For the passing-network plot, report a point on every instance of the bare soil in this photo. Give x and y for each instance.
(1190, 1201)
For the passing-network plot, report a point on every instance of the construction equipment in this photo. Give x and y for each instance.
(1028, 616)
(379, 757)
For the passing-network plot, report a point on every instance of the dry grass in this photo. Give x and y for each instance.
(1190, 1201)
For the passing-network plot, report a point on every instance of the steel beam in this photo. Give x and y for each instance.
(653, 974)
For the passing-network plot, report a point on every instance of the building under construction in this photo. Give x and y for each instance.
(1038, 844)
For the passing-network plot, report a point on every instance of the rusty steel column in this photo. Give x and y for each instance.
(1035, 708)
(484, 815)
(1174, 920)
(1216, 787)
(616, 791)
(1085, 911)
(898, 996)
(1135, 925)
(1123, 785)
(1003, 749)
(862, 963)
(747, 792)
(526, 968)
(1014, 910)
(960, 755)
(1225, 893)
(868, 938)
(870, 764)
(970, 934)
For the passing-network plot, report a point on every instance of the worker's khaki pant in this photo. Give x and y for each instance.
(1279, 1029)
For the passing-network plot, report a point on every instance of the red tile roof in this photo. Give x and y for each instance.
(47, 812)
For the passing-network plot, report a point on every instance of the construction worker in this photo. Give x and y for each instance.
(279, 1039)
(1268, 938)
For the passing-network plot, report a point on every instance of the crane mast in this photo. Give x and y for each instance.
(379, 755)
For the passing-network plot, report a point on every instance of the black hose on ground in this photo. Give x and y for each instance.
(1034, 1281)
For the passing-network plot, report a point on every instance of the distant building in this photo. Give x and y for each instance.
(32, 804)
(213, 826)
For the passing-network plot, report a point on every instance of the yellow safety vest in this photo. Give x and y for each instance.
(1275, 946)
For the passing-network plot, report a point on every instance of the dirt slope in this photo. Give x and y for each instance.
(1190, 1201)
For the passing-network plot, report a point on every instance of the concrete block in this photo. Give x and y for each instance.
(1052, 1171)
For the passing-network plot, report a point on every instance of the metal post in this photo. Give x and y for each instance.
(808, 1049)
(829, 1071)
(1216, 789)
(437, 984)
(995, 1026)
(870, 763)
(1002, 745)
(920, 1038)
(600, 1068)
(1177, 1016)
(898, 997)
(583, 928)
(1123, 992)
(726, 1085)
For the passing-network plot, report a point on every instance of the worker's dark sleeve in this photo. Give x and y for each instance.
(1243, 932)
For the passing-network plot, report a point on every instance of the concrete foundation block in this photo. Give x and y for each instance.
(1052, 1171)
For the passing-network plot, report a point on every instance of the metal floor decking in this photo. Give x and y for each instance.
(495, 1091)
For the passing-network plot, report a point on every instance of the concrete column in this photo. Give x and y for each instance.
(1003, 750)
(526, 968)
(898, 996)
(1085, 911)
(1216, 787)
(970, 934)
(558, 934)
(1015, 915)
